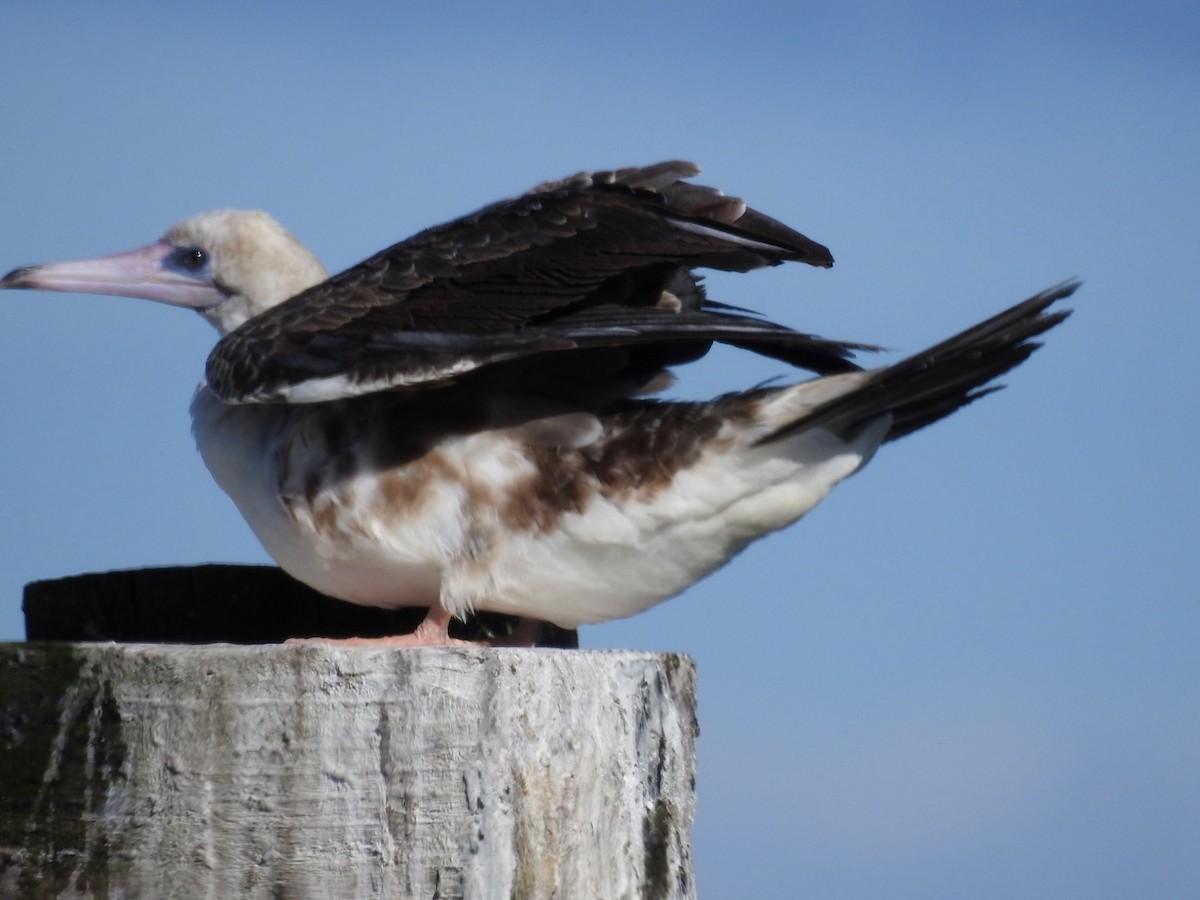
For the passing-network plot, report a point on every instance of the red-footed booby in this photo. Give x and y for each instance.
(457, 421)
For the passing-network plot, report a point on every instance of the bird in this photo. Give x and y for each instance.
(466, 421)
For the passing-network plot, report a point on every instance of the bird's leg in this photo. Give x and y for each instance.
(434, 631)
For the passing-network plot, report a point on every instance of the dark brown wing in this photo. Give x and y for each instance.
(598, 259)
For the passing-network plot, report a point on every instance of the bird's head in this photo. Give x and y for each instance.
(228, 265)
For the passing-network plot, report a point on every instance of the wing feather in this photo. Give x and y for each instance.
(583, 261)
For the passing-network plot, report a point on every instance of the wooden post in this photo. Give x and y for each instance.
(195, 769)
(309, 771)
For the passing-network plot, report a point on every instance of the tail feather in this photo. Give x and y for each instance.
(931, 385)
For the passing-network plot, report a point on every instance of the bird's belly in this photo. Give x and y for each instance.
(485, 521)
(345, 567)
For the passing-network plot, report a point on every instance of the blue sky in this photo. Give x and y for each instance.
(974, 671)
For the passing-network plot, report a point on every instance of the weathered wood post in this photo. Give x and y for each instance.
(154, 770)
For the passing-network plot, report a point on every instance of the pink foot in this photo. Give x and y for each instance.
(434, 632)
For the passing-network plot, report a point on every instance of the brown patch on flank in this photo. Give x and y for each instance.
(644, 446)
(647, 444)
(562, 483)
(406, 488)
(326, 517)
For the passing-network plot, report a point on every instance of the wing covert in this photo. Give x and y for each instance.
(517, 278)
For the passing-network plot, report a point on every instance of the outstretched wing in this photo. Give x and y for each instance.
(596, 260)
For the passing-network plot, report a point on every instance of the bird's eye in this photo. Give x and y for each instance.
(193, 259)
